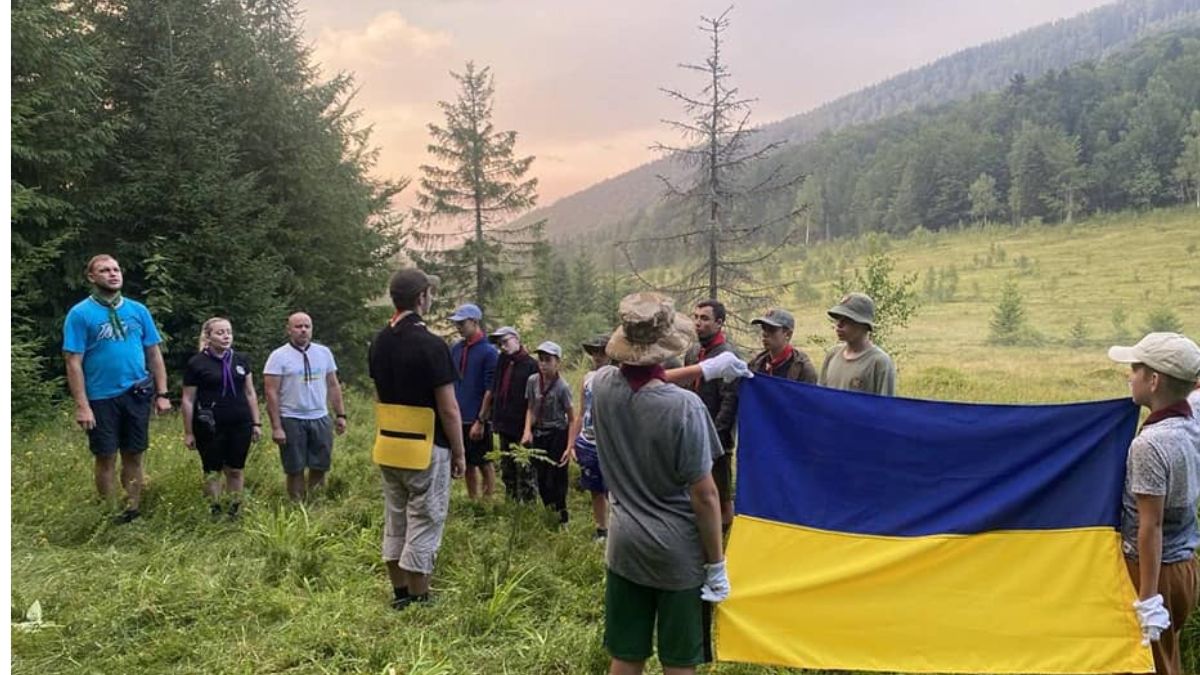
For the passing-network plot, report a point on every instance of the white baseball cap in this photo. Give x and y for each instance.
(1168, 353)
(550, 348)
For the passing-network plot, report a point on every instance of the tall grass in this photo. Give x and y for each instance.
(302, 590)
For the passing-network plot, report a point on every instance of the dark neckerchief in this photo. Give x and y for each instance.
(307, 363)
(544, 387)
(706, 347)
(226, 360)
(1178, 409)
(506, 375)
(640, 376)
(118, 328)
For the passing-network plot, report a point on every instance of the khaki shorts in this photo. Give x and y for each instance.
(414, 512)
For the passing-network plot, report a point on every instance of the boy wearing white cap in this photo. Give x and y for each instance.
(1159, 532)
(547, 423)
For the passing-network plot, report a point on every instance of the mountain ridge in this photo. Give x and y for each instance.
(608, 208)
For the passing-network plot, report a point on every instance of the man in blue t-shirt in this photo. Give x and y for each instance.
(108, 340)
(476, 360)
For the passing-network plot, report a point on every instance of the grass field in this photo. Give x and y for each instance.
(302, 591)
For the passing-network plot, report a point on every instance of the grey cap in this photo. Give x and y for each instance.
(503, 332)
(778, 318)
(550, 348)
(1168, 353)
(858, 307)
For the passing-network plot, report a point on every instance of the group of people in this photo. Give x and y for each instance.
(116, 375)
(653, 437)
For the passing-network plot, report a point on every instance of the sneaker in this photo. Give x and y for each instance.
(600, 536)
(214, 511)
(235, 509)
(127, 516)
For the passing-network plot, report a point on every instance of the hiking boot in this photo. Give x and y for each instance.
(127, 516)
(235, 509)
(214, 511)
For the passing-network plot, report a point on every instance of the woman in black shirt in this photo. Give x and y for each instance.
(220, 412)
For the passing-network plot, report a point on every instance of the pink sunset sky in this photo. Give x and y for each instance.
(580, 81)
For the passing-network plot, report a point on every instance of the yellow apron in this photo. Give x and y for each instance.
(403, 436)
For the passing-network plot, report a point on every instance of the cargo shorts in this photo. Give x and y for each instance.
(415, 503)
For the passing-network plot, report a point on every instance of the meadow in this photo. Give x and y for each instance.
(291, 589)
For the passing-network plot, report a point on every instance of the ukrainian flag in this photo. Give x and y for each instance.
(922, 536)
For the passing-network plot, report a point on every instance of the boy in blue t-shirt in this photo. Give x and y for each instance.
(108, 340)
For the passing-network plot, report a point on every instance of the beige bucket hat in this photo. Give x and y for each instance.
(651, 331)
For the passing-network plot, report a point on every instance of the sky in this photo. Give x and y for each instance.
(580, 80)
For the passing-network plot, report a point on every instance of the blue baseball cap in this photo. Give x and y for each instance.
(467, 311)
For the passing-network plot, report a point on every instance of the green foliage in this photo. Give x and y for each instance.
(895, 296)
(1162, 320)
(985, 204)
(1120, 319)
(195, 143)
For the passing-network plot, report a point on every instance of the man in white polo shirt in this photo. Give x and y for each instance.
(298, 379)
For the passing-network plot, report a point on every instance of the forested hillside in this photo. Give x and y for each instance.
(1124, 133)
(628, 203)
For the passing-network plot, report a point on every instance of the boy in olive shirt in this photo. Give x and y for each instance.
(856, 363)
(1159, 531)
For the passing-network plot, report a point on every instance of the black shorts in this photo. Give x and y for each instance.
(477, 450)
(122, 422)
(722, 473)
(225, 449)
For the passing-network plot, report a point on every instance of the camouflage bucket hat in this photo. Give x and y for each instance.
(651, 331)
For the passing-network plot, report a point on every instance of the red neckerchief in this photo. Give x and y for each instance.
(772, 364)
(640, 376)
(543, 389)
(713, 342)
(705, 347)
(506, 376)
(467, 344)
(1180, 409)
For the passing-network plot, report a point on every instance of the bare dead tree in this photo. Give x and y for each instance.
(718, 149)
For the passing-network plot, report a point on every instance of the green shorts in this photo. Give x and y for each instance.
(630, 611)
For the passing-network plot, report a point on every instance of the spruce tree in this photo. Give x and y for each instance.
(477, 183)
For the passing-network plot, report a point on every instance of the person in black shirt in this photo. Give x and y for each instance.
(506, 406)
(220, 412)
(411, 367)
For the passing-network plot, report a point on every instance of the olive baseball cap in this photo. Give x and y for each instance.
(1168, 353)
(777, 318)
(595, 343)
(858, 307)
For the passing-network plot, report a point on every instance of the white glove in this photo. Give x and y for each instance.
(716, 583)
(1153, 616)
(726, 366)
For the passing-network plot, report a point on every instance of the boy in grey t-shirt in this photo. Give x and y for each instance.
(1159, 532)
(548, 418)
(856, 364)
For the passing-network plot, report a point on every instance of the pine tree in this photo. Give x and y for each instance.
(1008, 324)
(476, 183)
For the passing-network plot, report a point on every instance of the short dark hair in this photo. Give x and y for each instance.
(718, 308)
(406, 287)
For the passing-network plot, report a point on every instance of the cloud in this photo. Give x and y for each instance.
(386, 39)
